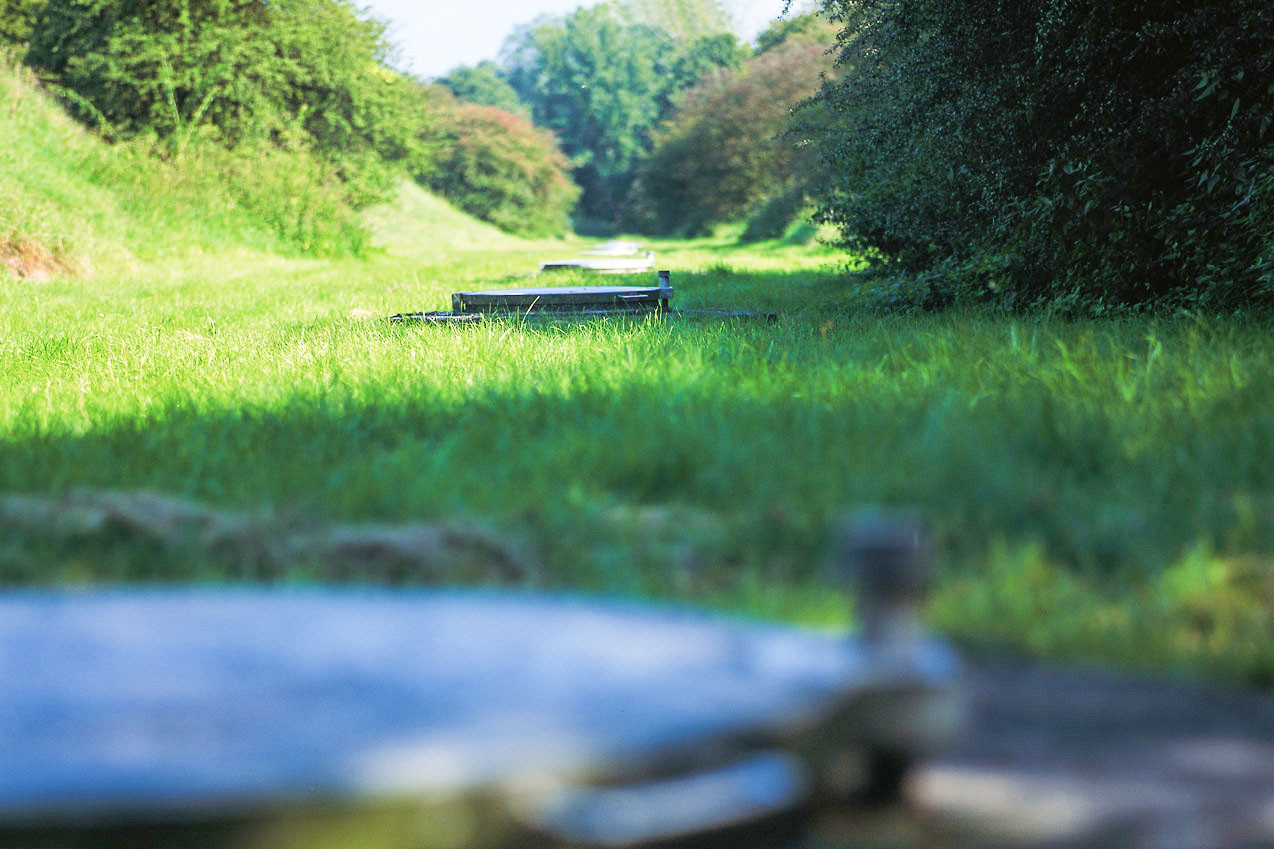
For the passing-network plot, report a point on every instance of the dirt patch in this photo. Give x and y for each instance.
(265, 545)
(30, 259)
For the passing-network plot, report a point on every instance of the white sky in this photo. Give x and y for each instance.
(434, 36)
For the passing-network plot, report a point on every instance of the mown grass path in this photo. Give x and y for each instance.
(1099, 489)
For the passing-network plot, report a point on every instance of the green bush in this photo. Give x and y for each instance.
(1084, 154)
(295, 73)
(16, 19)
(499, 167)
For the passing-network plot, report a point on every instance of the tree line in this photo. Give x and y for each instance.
(672, 125)
(573, 124)
(1082, 155)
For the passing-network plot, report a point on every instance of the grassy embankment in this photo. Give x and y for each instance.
(1098, 489)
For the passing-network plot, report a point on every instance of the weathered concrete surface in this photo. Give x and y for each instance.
(345, 695)
(1060, 756)
(147, 705)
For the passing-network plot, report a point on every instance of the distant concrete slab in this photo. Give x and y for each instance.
(615, 248)
(605, 264)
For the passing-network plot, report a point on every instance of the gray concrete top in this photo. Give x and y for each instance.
(181, 699)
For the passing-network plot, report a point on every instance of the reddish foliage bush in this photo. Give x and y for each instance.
(499, 167)
(726, 151)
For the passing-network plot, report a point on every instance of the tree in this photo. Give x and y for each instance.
(483, 85)
(602, 79)
(596, 82)
(726, 151)
(698, 59)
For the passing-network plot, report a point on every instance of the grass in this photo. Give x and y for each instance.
(1097, 489)
(66, 195)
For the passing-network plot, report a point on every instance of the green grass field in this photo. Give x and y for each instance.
(1096, 489)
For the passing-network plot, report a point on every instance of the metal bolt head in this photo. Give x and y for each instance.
(889, 557)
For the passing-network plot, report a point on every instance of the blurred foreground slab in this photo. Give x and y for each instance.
(334, 719)
(427, 719)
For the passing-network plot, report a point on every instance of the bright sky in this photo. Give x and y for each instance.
(435, 36)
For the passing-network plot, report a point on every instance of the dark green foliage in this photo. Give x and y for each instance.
(305, 73)
(1052, 151)
(702, 56)
(597, 82)
(16, 19)
(483, 85)
(726, 152)
(810, 27)
(499, 167)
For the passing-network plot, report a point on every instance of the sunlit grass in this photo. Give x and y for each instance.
(1101, 489)
(1096, 489)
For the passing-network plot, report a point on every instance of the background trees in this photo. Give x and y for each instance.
(1015, 151)
(597, 82)
(482, 84)
(728, 152)
(602, 78)
(1058, 151)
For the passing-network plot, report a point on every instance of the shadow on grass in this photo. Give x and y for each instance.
(609, 483)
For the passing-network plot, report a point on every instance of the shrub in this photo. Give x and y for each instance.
(1052, 151)
(499, 167)
(307, 73)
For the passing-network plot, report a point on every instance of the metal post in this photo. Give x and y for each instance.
(890, 559)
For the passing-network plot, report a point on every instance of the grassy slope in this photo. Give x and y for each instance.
(1100, 489)
(97, 206)
(44, 197)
